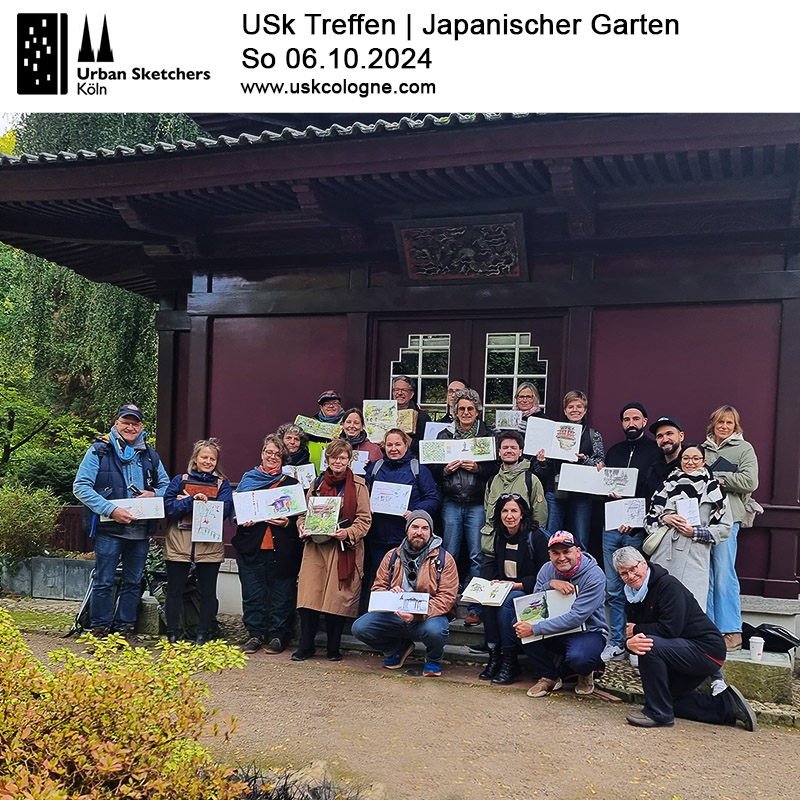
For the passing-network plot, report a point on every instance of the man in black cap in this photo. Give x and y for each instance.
(669, 438)
(636, 450)
(118, 466)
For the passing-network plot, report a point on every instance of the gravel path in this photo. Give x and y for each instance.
(452, 739)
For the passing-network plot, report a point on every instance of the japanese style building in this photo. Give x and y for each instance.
(637, 257)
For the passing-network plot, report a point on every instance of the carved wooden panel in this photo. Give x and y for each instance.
(485, 248)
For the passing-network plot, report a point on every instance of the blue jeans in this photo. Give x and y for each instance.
(615, 588)
(574, 653)
(262, 586)
(724, 602)
(498, 622)
(574, 512)
(107, 552)
(464, 521)
(386, 632)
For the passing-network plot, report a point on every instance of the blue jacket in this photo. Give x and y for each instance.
(117, 476)
(178, 509)
(589, 606)
(388, 529)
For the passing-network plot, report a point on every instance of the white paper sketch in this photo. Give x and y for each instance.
(507, 420)
(559, 440)
(207, 520)
(625, 512)
(443, 451)
(590, 480)
(432, 429)
(689, 509)
(266, 504)
(303, 473)
(389, 498)
(379, 417)
(410, 602)
(140, 507)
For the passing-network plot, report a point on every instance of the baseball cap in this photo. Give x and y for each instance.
(665, 421)
(329, 394)
(564, 538)
(129, 410)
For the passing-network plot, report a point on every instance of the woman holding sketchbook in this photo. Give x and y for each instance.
(268, 556)
(520, 550)
(333, 563)
(571, 511)
(203, 480)
(687, 517)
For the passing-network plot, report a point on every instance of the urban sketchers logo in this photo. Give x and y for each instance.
(42, 51)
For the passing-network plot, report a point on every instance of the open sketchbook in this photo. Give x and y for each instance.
(487, 593)
(545, 605)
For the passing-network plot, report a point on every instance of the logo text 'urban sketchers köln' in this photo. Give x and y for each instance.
(42, 59)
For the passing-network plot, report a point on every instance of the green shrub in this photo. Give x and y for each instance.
(118, 722)
(49, 469)
(27, 520)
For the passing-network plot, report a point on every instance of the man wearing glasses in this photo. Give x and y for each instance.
(403, 392)
(118, 466)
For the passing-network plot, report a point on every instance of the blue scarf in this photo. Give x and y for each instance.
(637, 595)
(256, 479)
(126, 452)
(335, 418)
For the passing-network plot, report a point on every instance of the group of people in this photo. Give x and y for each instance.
(516, 525)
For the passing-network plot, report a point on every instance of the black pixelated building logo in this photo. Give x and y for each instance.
(42, 52)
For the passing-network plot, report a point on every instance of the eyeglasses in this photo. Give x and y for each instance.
(338, 459)
(692, 459)
(524, 397)
(271, 454)
(624, 573)
(504, 497)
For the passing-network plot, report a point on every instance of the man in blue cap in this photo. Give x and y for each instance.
(118, 466)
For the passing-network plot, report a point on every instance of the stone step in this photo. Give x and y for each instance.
(453, 653)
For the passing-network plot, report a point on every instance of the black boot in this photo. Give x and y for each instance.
(509, 670)
(172, 637)
(493, 665)
(201, 638)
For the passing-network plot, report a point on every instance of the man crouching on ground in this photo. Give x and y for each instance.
(569, 569)
(419, 564)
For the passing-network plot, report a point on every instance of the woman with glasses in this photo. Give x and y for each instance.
(687, 517)
(333, 565)
(520, 551)
(268, 556)
(527, 401)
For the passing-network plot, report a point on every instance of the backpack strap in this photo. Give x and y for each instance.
(318, 482)
(441, 558)
(375, 469)
(392, 561)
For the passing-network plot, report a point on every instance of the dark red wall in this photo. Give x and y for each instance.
(265, 371)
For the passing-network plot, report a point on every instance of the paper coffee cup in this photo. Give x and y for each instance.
(756, 648)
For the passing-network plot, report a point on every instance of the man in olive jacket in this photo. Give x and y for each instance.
(419, 564)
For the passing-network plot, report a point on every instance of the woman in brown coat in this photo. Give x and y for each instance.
(204, 481)
(333, 566)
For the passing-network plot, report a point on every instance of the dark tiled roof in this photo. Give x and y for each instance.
(287, 135)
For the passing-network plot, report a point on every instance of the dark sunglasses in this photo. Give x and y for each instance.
(504, 497)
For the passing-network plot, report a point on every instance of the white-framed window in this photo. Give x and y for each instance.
(426, 361)
(511, 359)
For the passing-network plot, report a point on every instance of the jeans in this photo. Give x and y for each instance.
(386, 632)
(575, 512)
(262, 586)
(498, 622)
(464, 521)
(576, 653)
(670, 672)
(615, 588)
(206, 575)
(107, 552)
(724, 602)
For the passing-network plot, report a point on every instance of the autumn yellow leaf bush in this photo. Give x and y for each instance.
(113, 722)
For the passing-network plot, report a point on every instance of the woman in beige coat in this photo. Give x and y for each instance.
(333, 565)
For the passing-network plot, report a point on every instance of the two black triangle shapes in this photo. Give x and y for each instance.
(105, 55)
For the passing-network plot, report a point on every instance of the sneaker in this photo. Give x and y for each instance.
(733, 641)
(274, 647)
(480, 647)
(129, 634)
(634, 659)
(585, 684)
(431, 669)
(544, 686)
(613, 652)
(741, 710)
(398, 658)
(471, 620)
(252, 645)
(718, 687)
(100, 632)
(640, 720)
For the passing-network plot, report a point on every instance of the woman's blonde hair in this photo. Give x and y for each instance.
(212, 444)
(717, 415)
(336, 447)
(273, 438)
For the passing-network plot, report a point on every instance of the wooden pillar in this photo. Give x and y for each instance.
(196, 415)
(781, 578)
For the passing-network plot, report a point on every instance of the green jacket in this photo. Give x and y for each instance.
(512, 481)
(741, 484)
